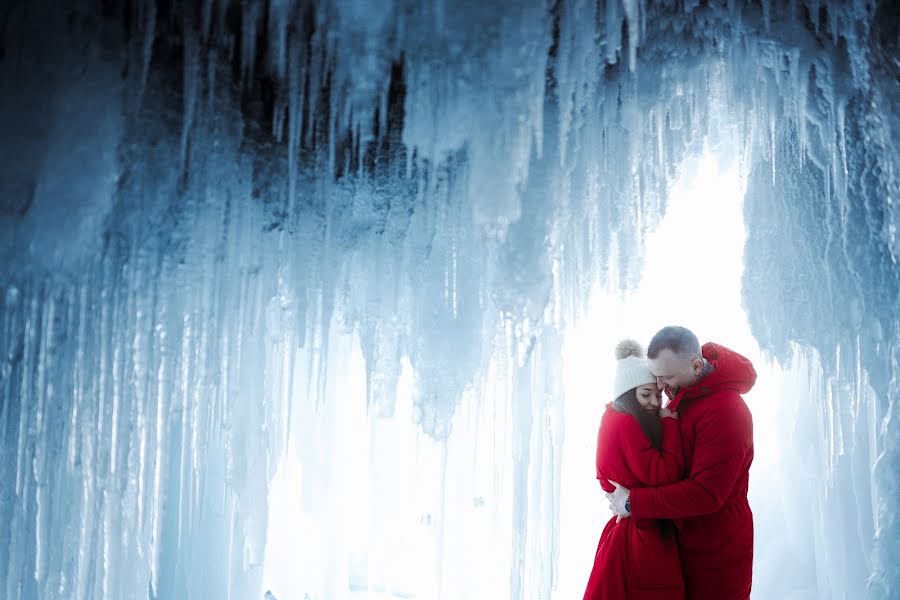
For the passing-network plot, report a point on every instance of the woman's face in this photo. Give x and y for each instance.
(649, 397)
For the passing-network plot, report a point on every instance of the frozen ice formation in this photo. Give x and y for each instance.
(202, 202)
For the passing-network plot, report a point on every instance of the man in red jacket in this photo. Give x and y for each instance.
(709, 507)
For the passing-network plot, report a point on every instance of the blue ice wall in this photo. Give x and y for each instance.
(199, 199)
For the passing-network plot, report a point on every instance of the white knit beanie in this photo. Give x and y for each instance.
(631, 369)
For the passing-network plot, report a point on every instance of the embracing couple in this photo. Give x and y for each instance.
(676, 476)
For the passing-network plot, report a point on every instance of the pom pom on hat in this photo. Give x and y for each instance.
(629, 347)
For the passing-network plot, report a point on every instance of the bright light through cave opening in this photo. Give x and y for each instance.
(398, 499)
(700, 240)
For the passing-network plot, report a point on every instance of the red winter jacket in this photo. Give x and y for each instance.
(710, 509)
(637, 559)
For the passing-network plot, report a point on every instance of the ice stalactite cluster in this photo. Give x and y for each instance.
(202, 201)
(822, 272)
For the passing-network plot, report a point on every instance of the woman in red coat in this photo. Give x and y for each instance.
(638, 442)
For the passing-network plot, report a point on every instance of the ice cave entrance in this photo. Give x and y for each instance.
(385, 548)
(700, 237)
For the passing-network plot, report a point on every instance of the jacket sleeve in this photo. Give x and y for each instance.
(605, 442)
(651, 466)
(723, 438)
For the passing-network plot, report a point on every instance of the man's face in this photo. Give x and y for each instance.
(674, 371)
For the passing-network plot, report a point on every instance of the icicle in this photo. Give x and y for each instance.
(22, 441)
(632, 18)
(839, 154)
(86, 523)
(317, 75)
(772, 150)
(835, 25)
(249, 26)
(613, 24)
(159, 424)
(453, 282)
(105, 360)
(800, 79)
(279, 10)
(206, 16)
(295, 110)
(79, 373)
(149, 12)
(184, 483)
(332, 131)
(191, 85)
(813, 8)
(383, 112)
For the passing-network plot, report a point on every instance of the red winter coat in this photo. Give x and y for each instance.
(637, 559)
(710, 509)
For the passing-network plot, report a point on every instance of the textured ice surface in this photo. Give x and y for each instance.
(212, 211)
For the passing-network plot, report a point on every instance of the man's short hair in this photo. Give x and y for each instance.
(680, 340)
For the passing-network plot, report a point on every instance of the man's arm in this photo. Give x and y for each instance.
(649, 465)
(723, 437)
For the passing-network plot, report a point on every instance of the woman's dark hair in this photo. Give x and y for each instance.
(651, 424)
